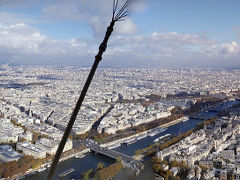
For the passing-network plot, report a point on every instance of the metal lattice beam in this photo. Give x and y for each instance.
(117, 16)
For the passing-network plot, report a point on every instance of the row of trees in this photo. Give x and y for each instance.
(141, 128)
(104, 137)
(102, 172)
(177, 113)
(152, 149)
(18, 124)
(87, 174)
(12, 168)
(201, 104)
(108, 172)
(93, 134)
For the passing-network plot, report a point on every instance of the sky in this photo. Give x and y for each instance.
(157, 33)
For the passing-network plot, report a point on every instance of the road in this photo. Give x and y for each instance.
(126, 160)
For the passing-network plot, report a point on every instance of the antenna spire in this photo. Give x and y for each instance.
(122, 13)
(116, 16)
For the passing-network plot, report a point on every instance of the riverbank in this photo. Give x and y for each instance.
(137, 136)
(46, 165)
(91, 160)
(174, 127)
(113, 144)
(80, 153)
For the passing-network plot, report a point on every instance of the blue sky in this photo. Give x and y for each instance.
(157, 33)
(217, 18)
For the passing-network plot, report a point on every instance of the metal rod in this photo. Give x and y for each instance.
(103, 46)
(66, 134)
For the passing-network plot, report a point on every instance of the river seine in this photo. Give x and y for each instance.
(91, 160)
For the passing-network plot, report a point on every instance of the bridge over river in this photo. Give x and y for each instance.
(126, 160)
(111, 153)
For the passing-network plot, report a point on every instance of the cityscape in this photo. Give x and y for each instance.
(37, 101)
(119, 90)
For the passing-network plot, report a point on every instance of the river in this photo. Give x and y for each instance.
(91, 160)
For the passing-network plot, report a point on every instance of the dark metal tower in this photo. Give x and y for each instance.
(116, 16)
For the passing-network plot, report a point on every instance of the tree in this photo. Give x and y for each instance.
(183, 165)
(173, 164)
(36, 135)
(20, 151)
(85, 175)
(100, 166)
(157, 168)
(14, 122)
(108, 172)
(22, 140)
(45, 136)
(137, 152)
(156, 160)
(177, 178)
(6, 173)
(168, 174)
(165, 162)
(203, 168)
(119, 159)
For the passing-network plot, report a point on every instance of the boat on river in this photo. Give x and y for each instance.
(130, 141)
(64, 173)
(141, 136)
(41, 169)
(186, 118)
(157, 131)
(161, 137)
(114, 146)
(79, 156)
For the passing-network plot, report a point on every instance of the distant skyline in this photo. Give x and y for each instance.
(157, 33)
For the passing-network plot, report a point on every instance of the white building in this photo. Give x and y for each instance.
(51, 145)
(31, 149)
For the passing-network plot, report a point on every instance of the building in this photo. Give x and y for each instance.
(228, 154)
(206, 163)
(51, 145)
(7, 154)
(223, 175)
(31, 149)
(8, 132)
(27, 136)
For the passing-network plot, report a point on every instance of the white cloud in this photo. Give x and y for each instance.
(174, 38)
(20, 37)
(97, 14)
(126, 27)
(20, 43)
(24, 44)
(230, 48)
